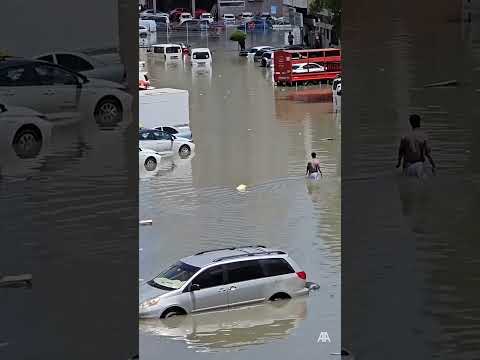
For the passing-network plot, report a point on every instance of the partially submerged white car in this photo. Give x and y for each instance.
(161, 141)
(24, 137)
(149, 158)
(60, 93)
(91, 67)
(304, 68)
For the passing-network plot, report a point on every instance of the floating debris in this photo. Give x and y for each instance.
(242, 187)
(146, 222)
(16, 281)
(327, 139)
(443, 83)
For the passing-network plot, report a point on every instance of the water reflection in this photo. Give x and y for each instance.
(233, 329)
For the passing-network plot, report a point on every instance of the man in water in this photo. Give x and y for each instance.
(413, 150)
(313, 168)
(290, 38)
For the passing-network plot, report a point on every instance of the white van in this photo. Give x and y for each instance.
(167, 52)
(207, 16)
(229, 18)
(151, 25)
(184, 17)
(201, 57)
(246, 16)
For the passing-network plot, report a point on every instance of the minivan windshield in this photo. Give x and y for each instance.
(175, 276)
(201, 55)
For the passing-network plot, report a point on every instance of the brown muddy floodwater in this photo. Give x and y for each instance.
(246, 132)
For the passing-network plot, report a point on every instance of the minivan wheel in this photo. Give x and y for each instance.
(169, 313)
(279, 296)
(184, 151)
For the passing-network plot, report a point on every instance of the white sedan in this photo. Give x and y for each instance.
(24, 139)
(62, 94)
(149, 158)
(161, 141)
(91, 67)
(307, 68)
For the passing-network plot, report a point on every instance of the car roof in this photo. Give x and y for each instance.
(208, 257)
(158, 45)
(200, 49)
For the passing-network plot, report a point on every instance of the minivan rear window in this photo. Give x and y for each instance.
(201, 55)
(275, 267)
(158, 50)
(244, 271)
(172, 50)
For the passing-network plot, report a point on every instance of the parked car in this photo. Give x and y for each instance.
(86, 65)
(253, 50)
(246, 16)
(178, 131)
(175, 13)
(201, 57)
(185, 16)
(222, 278)
(60, 93)
(152, 13)
(229, 18)
(162, 141)
(190, 25)
(206, 16)
(267, 58)
(149, 158)
(307, 67)
(142, 31)
(167, 52)
(259, 53)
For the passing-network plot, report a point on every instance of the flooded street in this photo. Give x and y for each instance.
(246, 132)
(417, 242)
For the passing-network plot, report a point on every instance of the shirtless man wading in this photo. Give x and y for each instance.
(413, 150)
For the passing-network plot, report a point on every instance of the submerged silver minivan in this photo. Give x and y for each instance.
(222, 278)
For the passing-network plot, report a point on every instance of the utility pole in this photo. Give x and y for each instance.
(154, 6)
(193, 8)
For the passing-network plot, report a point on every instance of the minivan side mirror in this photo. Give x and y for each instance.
(194, 287)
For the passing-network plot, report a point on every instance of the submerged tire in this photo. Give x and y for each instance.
(184, 151)
(169, 313)
(108, 111)
(27, 142)
(150, 163)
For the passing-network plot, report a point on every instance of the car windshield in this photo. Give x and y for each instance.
(201, 55)
(176, 275)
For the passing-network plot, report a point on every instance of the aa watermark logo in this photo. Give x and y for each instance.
(323, 337)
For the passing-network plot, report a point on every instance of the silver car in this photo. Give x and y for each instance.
(222, 278)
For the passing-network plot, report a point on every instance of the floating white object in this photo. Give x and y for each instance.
(242, 187)
(146, 222)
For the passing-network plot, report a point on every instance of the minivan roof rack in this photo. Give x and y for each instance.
(278, 252)
(231, 248)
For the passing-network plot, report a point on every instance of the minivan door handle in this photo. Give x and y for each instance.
(233, 288)
(222, 290)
